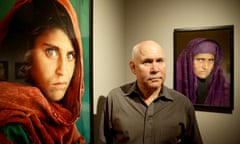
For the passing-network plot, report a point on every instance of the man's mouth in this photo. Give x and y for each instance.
(155, 78)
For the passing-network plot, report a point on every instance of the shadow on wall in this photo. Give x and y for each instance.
(97, 117)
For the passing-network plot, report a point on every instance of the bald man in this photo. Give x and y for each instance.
(145, 111)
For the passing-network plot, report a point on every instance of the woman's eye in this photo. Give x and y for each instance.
(51, 52)
(211, 60)
(71, 55)
(200, 60)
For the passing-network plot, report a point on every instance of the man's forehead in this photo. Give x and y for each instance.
(151, 51)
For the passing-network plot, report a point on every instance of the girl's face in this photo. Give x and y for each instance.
(53, 63)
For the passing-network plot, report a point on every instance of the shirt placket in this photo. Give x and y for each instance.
(148, 125)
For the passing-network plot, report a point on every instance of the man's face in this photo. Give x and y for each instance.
(53, 63)
(203, 64)
(149, 66)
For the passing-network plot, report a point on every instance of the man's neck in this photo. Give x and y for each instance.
(149, 95)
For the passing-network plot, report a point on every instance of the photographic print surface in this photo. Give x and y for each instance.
(11, 61)
(83, 9)
(203, 66)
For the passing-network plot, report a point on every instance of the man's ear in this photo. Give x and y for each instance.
(132, 67)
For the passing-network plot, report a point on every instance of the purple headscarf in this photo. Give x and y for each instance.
(186, 80)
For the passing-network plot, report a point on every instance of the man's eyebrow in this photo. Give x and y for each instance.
(161, 58)
(147, 59)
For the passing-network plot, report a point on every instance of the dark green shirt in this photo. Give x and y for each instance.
(126, 119)
(15, 133)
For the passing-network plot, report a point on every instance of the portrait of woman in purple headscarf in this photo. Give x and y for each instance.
(199, 74)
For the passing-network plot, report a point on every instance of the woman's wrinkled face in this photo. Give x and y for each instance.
(203, 64)
(53, 63)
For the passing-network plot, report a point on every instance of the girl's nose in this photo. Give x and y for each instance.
(61, 67)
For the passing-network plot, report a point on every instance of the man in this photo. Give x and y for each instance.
(146, 111)
(200, 75)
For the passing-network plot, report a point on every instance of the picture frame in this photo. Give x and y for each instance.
(3, 70)
(224, 37)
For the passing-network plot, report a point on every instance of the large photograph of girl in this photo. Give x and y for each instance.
(51, 101)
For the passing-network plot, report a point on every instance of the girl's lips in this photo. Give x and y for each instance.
(60, 85)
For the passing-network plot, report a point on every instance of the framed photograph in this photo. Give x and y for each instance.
(3, 70)
(203, 66)
(83, 10)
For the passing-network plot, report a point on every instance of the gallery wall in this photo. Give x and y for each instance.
(108, 46)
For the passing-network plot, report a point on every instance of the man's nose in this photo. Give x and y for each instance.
(154, 67)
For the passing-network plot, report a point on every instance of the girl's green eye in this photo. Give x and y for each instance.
(52, 52)
(71, 55)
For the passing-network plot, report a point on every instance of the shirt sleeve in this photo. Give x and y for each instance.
(14, 133)
(192, 135)
(105, 133)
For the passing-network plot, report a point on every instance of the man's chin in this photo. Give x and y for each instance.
(156, 84)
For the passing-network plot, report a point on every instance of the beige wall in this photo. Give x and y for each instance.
(119, 24)
(108, 46)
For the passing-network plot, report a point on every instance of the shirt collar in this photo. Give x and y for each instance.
(133, 88)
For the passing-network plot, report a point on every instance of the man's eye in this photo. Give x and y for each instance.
(160, 60)
(51, 52)
(71, 55)
(147, 61)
